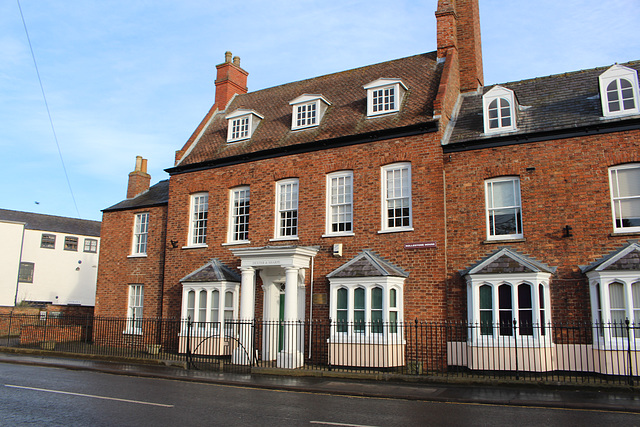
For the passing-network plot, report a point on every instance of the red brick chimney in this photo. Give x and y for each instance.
(139, 179)
(459, 29)
(231, 79)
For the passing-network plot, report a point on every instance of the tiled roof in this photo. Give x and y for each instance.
(507, 261)
(625, 258)
(346, 116)
(54, 224)
(156, 195)
(367, 264)
(213, 271)
(552, 103)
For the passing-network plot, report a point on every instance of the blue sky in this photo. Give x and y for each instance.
(127, 78)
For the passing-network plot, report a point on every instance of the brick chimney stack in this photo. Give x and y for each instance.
(230, 80)
(459, 29)
(139, 179)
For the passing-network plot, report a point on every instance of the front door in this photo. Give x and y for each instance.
(281, 323)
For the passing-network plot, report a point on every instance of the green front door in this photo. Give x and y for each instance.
(281, 324)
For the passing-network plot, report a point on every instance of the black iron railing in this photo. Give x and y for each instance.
(580, 352)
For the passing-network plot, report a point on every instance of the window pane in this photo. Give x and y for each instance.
(392, 298)
(525, 309)
(486, 322)
(376, 298)
(505, 305)
(486, 300)
(191, 303)
(202, 306)
(618, 312)
(215, 304)
(358, 312)
(358, 299)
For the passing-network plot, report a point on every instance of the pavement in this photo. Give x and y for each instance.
(531, 396)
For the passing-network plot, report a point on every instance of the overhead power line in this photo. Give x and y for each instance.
(46, 104)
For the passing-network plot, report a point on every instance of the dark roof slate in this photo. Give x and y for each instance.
(156, 195)
(507, 261)
(556, 102)
(347, 114)
(367, 264)
(54, 224)
(626, 258)
(213, 271)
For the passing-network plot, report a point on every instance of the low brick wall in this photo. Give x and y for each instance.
(33, 334)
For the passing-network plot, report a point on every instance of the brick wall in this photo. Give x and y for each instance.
(562, 182)
(117, 270)
(424, 293)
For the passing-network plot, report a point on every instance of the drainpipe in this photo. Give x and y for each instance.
(311, 305)
(15, 298)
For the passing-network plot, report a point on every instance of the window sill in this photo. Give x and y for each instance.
(624, 233)
(526, 341)
(395, 230)
(132, 332)
(195, 247)
(243, 242)
(504, 240)
(137, 256)
(339, 234)
(283, 239)
(384, 114)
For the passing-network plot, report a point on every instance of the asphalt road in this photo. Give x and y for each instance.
(42, 396)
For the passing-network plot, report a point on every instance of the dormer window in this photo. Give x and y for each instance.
(499, 110)
(242, 123)
(384, 96)
(308, 110)
(619, 91)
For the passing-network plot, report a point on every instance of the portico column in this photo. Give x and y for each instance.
(247, 293)
(242, 353)
(291, 294)
(290, 357)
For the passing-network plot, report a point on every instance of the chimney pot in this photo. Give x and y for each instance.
(230, 80)
(139, 179)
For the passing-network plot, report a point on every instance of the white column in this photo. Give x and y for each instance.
(247, 293)
(243, 353)
(290, 357)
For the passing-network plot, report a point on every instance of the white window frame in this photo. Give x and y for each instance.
(241, 124)
(615, 74)
(90, 245)
(599, 283)
(369, 333)
(490, 207)
(382, 89)
(135, 306)
(302, 106)
(198, 205)
(287, 204)
(239, 215)
(616, 201)
(140, 234)
(541, 313)
(207, 325)
(388, 199)
(500, 95)
(339, 203)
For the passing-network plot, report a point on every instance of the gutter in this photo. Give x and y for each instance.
(514, 139)
(381, 135)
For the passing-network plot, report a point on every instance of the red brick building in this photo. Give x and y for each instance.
(397, 191)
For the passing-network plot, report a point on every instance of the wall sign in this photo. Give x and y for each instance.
(420, 245)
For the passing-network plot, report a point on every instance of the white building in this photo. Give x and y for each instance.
(48, 259)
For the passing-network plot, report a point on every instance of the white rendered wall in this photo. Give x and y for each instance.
(59, 276)
(11, 233)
